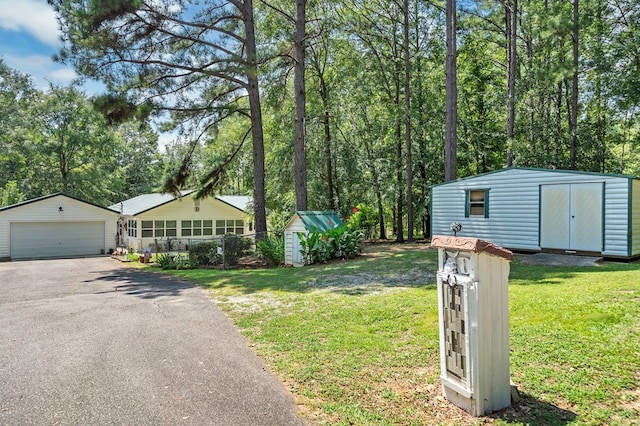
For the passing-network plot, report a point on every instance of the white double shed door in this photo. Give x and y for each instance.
(571, 216)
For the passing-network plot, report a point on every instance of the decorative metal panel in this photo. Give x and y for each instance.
(455, 330)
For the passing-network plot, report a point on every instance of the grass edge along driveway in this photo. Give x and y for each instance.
(357, 341)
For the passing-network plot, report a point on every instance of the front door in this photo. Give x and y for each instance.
(571, 216)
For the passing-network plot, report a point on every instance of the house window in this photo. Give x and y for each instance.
(186, 228)
(159, 228)
(147, 229)
(132, 228)
(207, 227)
(229, 227)
(196, 228)
(477, 203)
(170, 228)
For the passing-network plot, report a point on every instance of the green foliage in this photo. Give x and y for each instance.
(363, 218)
(203, 254)
(336, 243)
(272, 249)
(118, 110)
(11, 194)
(233, 247)
(177, 261)
(163, 260)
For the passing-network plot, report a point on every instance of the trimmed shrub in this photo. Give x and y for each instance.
(203, 254)
(233, 247)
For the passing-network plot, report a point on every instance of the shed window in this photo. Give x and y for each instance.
(477, 203)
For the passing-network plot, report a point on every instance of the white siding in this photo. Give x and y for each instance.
(514, 207)
(47, 210)
(185, 209)
(294, 226)
(635, 218)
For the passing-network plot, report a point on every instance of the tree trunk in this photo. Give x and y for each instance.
(574, 92)
(450, 135)
(383, 231)
(257, 135)
(400, 199)
(407, 122)
(511, 21)
(327, 139)
(375, 178)
(300, 99)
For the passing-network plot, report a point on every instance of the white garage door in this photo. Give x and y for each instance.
(56, 239)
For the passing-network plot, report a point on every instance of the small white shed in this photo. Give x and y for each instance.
(304, 222)
(543, 210)
(56, 225)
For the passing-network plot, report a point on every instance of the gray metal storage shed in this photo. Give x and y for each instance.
(543, 210)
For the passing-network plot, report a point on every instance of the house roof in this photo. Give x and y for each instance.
(145, 202)
(240, 202)
(45, 197)
(320, 220)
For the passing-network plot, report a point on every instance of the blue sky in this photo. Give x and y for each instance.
(29, 36)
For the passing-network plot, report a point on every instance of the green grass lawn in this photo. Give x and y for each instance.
(357, 341)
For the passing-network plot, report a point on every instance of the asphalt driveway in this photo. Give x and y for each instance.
(91, 342)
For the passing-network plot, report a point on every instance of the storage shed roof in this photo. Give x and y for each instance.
(320, 220)
(533, 169)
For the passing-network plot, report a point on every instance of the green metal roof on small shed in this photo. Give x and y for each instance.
(320, 220)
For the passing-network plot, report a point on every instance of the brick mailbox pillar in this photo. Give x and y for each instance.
(473, 306)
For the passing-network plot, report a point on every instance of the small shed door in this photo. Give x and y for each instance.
(571, 217)
(296, 255)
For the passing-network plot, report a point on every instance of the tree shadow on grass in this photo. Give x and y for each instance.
(532, 411)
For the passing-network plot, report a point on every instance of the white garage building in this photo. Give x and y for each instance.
(55, 225)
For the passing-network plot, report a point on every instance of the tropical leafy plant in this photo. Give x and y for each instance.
(336, 243)
(163, 260)
(272, 249)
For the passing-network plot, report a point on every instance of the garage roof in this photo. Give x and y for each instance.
(35, 200)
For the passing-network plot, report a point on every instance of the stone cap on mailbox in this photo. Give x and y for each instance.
(470, 244)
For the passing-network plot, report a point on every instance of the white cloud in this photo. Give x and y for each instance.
(64, 75)
(41, 68)
(164, 139)
(33, 16)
